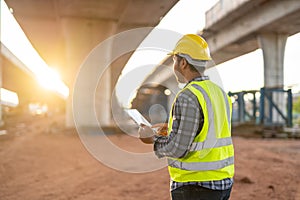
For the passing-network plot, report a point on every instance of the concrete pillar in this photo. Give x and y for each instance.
(273, 47)
(81, 36)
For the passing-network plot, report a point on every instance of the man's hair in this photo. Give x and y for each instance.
(193, 68)
(197, 68)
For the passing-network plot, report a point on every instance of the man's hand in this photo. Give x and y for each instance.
(162, 129)
(146, 134)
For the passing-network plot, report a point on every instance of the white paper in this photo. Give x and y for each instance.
(137, 117)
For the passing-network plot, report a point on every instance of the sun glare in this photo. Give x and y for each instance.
(14, 39)
(50, 79)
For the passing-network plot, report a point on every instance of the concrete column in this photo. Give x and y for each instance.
(81, 36)
(273, 47)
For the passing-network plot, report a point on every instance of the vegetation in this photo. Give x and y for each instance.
(296, 111)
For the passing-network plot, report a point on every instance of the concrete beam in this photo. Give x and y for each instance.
(252, 23)
(235, 50)
(12, 58)
(227, 11)
(236, 34)
(162, 73)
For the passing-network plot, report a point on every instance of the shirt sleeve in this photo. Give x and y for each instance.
(187, 118)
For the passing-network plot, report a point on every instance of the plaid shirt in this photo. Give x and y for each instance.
(187, 123)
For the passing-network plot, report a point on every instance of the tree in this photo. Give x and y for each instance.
(296, 106)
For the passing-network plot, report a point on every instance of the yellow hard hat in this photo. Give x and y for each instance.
(194, 46)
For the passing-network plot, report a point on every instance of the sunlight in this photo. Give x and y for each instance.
(14, 39)
(50, 79)
(47, 78)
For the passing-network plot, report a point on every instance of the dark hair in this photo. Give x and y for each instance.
(192, 67)
(197, 69)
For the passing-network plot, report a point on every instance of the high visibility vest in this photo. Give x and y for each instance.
(211, 155)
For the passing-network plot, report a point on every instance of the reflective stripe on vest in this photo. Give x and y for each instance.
(201, 166)
(197, 146)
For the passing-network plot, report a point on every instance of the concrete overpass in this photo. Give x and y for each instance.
(65, 31)
(234, 28)
(73, 28)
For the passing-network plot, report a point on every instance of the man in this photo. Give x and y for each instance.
(198, 143)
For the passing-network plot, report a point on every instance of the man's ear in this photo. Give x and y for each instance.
(184, 64)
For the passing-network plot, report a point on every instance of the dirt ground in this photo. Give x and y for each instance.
(40, 160)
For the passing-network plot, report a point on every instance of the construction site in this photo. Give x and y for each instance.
(68, 137)
(41, 159)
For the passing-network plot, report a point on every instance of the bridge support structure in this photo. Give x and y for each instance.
(81, 36)
(273, 48)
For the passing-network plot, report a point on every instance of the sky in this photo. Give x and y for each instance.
(243, 73)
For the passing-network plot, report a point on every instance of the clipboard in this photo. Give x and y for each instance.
(137, 117)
